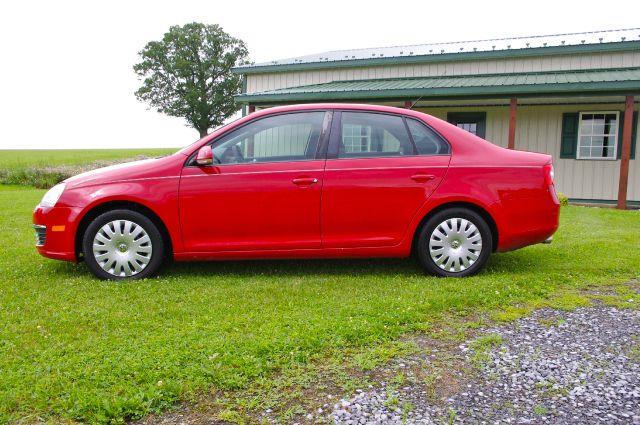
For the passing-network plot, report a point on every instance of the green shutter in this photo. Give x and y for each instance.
(569, 137)
(634, 135)
(620, 128)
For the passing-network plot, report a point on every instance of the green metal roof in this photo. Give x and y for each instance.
(609, 81)
(512, 47)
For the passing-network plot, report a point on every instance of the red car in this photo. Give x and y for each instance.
(307, 181)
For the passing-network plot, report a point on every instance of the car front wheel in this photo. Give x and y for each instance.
(455, 242)
(122, 244)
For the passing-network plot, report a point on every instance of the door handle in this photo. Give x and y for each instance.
(421, 177)
(304, 181)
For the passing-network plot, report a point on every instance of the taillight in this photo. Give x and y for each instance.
(548, 174)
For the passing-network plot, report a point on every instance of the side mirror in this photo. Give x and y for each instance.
(205, 156)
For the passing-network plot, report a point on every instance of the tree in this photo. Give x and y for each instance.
(188, 74)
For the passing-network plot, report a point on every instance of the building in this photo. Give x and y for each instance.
(573, 96)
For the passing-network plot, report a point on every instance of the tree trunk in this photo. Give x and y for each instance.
(203, 132)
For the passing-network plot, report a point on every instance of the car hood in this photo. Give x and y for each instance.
(146, 168)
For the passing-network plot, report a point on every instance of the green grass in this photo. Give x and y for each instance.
(481, 348)
(45, 168)
(24, 158)
(74, 348)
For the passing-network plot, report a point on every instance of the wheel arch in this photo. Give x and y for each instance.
(98, 209)
(483, 212)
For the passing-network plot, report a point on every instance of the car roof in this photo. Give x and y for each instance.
(343, 106)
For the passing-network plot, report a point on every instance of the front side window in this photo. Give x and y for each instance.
(598, 135)
(367, 135)
(286, 137)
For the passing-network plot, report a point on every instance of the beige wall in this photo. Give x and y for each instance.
(538, 129)
(277, 80)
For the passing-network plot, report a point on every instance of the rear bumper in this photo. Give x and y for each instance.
(55, 231)
(534, 222)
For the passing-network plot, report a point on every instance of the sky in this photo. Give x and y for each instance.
(66, 78)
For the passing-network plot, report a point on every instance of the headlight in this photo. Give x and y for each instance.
(51, 197)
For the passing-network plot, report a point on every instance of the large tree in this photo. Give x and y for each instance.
(188, 74)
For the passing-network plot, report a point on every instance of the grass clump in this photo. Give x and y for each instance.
(482, 347)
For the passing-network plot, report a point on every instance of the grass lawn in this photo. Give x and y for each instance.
(24, 158)
(74, 348)
(45, 168)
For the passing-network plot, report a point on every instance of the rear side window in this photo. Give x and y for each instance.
(366, 135)
(427, 141)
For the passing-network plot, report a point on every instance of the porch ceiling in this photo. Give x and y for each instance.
(564, 83)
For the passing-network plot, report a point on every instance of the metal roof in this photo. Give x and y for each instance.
(528, 84)
(530, 45)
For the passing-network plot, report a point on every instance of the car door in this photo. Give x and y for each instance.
(263, 190)
(381, 168)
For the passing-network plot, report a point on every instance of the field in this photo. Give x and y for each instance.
(45, 168)
(20, 159)
(73, 348)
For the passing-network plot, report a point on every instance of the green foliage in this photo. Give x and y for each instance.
(540, 410)
(73, 348)
(564, 201)
(188, 74)
(42, 178)
(45, 168)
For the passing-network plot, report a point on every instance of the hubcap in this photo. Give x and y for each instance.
(455, 244)
(122, 248)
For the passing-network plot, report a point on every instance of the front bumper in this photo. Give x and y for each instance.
(55, 231)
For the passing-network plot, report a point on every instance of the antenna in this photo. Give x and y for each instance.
(414, 103)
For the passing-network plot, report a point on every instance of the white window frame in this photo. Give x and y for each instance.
(354, 139)
(617, 133)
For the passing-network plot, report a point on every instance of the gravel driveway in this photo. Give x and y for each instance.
(576, 367)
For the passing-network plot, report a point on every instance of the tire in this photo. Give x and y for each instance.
(128, 245)
(455, 242)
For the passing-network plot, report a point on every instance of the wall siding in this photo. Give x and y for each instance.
(277, 80)
(538, 130)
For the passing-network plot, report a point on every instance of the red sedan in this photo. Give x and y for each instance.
(307, 181)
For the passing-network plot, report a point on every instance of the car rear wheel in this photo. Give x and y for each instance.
(455, 242)
(123, 244)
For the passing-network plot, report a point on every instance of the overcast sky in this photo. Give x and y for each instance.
(66, 78)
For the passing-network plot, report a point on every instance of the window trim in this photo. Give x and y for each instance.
(617, 134)
(320, 154)
(336, 134)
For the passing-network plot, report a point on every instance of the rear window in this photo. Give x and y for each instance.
(427, 141)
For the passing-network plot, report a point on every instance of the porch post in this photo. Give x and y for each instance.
(512, 123)
(252, 108)
(625, 147)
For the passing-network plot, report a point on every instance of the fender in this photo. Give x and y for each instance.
(159, 195)
(493, 209)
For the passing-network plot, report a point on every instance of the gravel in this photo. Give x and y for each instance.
(577, 367)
